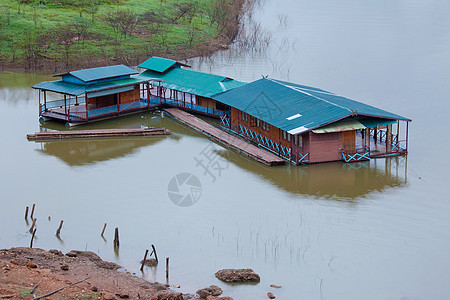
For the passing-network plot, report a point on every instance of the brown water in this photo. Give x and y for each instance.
(372, 230)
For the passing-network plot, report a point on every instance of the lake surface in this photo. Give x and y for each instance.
(372, 230)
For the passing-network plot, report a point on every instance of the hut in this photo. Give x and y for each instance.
(92, 94)
(309, 125)
(189, 90)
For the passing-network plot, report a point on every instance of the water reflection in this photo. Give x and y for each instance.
(336, 180)
(89, 151)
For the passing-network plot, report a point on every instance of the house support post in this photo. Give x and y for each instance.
(65, 106)
(389, 138)
(407, 125)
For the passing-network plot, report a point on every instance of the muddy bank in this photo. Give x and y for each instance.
(25, 272)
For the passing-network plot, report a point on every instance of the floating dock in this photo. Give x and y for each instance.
(225, 138)
(95, 133)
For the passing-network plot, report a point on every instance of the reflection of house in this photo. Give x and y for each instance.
(309, 125)
(92, 94)
(337, 181)
(187, 89)
(89, 151)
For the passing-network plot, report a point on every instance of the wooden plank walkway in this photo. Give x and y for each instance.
(73, 134)
(225, 138)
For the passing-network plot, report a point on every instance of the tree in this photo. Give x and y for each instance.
(124, 21)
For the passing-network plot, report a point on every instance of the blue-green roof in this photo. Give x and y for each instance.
(74, 89)
(159, 64)
(93, 74)
(297, 108)
(194, 82)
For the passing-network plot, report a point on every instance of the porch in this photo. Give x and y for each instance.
(78, 111)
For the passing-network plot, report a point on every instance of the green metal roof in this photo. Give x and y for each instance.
(297, 108)
(110, 91)
(93, 74)
(74, 89)
(159, 64)
(194, 82)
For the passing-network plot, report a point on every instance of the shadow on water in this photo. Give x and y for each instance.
(335, 180)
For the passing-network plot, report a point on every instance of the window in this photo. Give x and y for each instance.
(265, 126)
(252, 121)
(300, 141)
(286, 136)
(244, 116)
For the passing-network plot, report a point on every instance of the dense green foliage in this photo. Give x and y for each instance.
(89, 32)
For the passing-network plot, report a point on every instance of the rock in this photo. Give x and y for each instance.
(14, 262)
(168, 295)
(107, 265)
(56, 252)
(159, 286)
(275, 286)
(31, 265)
(124, 295)
(65, 267)
(150, 262)
(270, 295)
(94, 289)
(213, 290)
(238, 275)
(108, 296)
(72, 253)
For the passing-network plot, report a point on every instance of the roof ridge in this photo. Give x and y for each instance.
(306, 93)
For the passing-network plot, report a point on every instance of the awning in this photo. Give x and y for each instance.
(109, 91)
(340, 126)
(371, 123)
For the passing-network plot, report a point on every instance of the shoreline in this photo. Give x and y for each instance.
(26, 273)
(211, 45)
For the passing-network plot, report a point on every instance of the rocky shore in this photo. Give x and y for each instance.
(27, 273)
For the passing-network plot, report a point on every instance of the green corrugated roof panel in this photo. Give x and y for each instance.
(159, 64)
(74, 89)
(339, 126)
(93, 74)
(62, 87)
(361, 108)
(110, 91)
(193, 82)
(295, 108)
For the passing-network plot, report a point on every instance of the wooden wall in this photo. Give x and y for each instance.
(274, 133)
(103, 101)
(325, 147)
(207, 102)
(130, 96)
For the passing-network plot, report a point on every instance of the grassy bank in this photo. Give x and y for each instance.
(61, 34)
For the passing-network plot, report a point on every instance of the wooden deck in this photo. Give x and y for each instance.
(73, 134)
(224, 138)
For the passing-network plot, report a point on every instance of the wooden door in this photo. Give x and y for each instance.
(348, 140)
